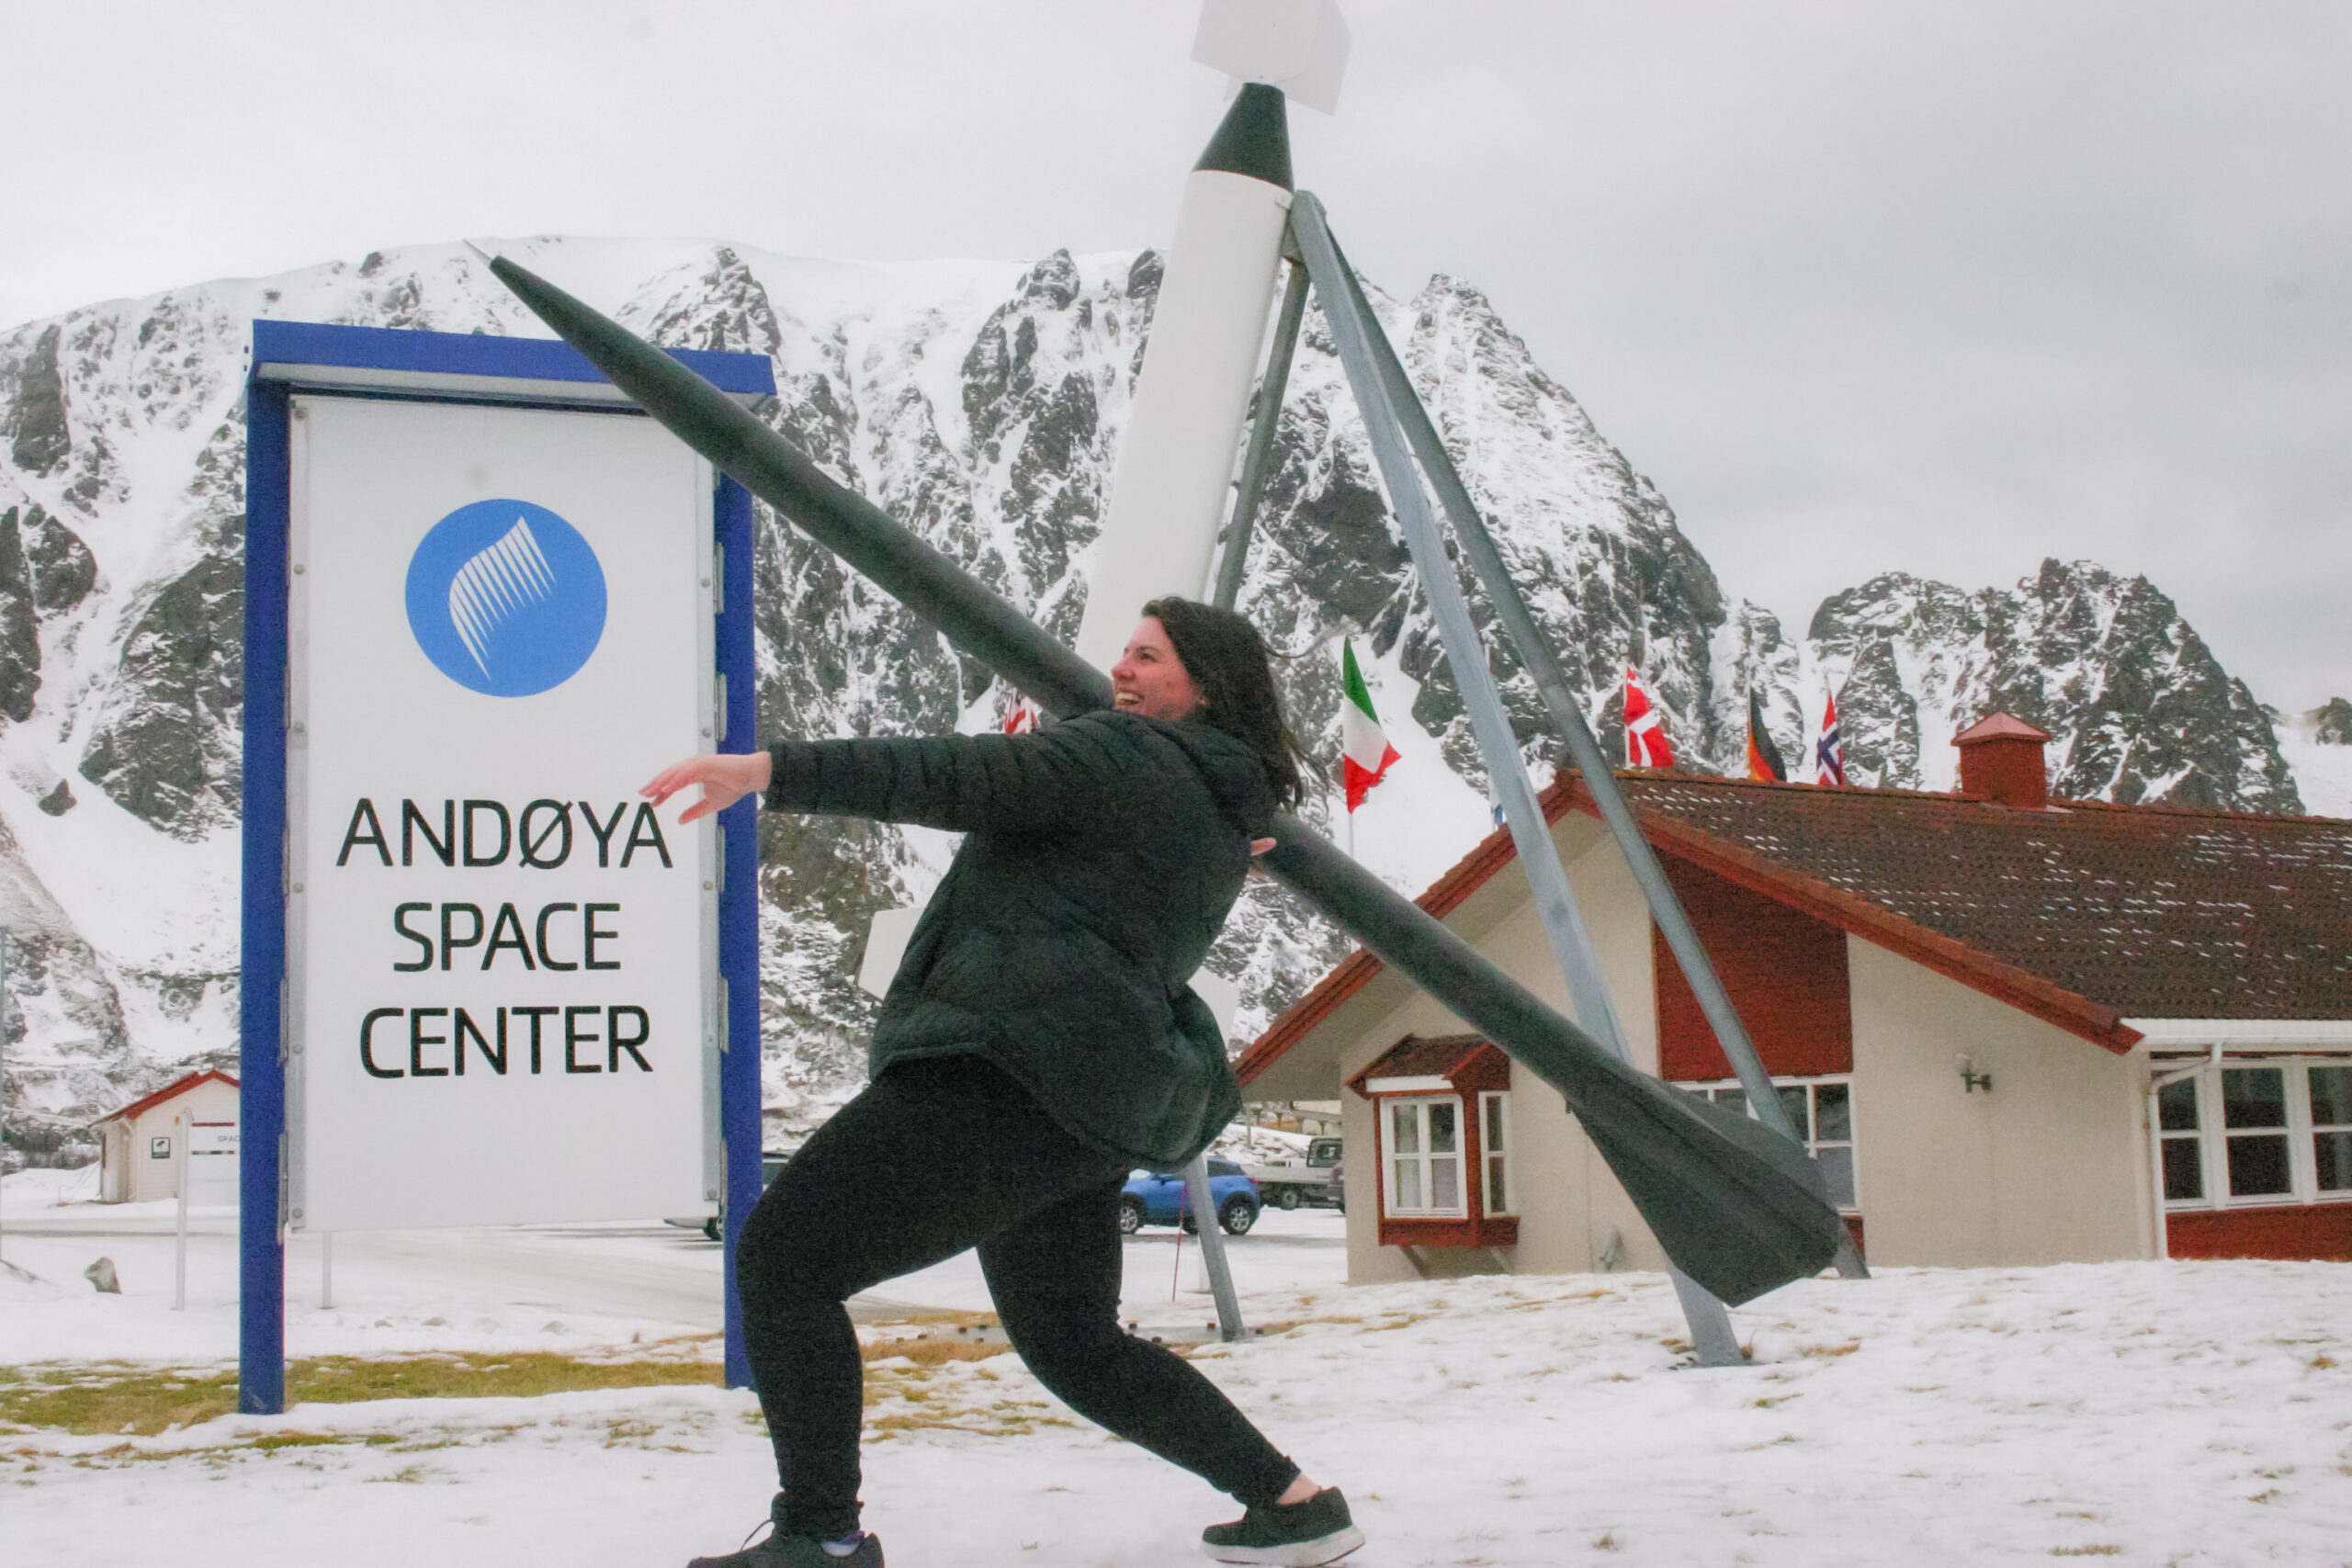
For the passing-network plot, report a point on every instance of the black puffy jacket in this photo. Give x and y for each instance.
(1102, 855)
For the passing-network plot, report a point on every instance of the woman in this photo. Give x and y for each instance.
(1038, 1042)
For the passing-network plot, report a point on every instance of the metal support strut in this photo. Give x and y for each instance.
(1354, 330)
(1542, 665)
(1264, 413)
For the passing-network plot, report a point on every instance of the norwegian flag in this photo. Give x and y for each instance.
(1645, 742)
(1021, 716)
(1828, 749)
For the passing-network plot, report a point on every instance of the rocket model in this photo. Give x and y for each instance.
(1209, 328)
(1725, 1198)
(1168, 494)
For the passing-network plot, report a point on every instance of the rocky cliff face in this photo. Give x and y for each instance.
(2137, 706)
(982, 404)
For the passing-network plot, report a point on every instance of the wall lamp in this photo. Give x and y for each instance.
(1970, 1077)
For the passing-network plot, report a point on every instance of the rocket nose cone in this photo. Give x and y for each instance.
(1253, 138)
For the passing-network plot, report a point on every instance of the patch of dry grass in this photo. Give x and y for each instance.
(116, 1397)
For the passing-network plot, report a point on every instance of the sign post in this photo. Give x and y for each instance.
(484, 984)
(179, 1185)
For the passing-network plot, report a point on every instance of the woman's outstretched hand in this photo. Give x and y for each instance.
(725, 779)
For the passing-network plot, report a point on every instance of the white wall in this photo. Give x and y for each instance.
(2050, 1167)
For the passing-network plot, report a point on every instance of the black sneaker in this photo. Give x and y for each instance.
(797, 1552)
(1297, 1535)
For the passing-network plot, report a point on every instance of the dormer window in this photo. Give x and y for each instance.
(1442, 1111)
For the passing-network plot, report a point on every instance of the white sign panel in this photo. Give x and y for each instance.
(502, 963)
(211, 1163)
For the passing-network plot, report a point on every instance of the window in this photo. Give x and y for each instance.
(1425, 1156)
(2249, 1133)
(2255, 1139)
(1822, 1110)
(1494, 1114)
(1440, 1113)
(2176, 1128)
(2330, 1089)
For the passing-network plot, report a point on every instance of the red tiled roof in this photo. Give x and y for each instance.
(1466, 1061)
(2081, 915)
(140, 1106)
(1417, 1056)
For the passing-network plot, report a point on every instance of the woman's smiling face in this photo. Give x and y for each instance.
(1149, 679)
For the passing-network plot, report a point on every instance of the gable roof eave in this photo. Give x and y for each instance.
(141, 1106)
(1948, 956)
(1356, 971)
(2078, 1015)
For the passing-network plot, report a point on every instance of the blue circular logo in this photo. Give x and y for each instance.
(506, 598)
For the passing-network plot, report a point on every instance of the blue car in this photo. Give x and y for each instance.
(1157, 1197)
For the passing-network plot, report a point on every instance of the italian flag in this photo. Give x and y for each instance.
(1365, 749)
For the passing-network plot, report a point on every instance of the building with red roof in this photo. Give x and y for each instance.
(140, 1156)
(2015, 1029)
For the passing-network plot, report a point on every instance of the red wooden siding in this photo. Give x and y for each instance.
(1785, 972)
(1485, 1230)
(2322, 1231)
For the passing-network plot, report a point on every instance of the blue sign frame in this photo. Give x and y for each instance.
(316, 358)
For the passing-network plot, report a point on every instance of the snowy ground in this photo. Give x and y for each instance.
(2159, 1414)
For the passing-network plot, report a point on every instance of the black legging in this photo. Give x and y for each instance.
(937, 1156)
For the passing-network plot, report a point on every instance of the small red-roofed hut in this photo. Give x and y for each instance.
(138, 1146)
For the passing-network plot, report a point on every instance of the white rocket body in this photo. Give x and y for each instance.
(1183, 435)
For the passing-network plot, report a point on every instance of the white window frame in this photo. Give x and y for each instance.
(1813, 1142)
(2212, 1136)
(1388, 1104)
(1495, 1155)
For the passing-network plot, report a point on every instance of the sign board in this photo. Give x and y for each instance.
(212, 1169)
(503, 1007)
(485, 600)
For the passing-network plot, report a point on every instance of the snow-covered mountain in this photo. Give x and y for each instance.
(979, 402)
(2137, 706)
(2317, 746)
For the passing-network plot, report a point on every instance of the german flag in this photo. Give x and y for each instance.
(1763, 757)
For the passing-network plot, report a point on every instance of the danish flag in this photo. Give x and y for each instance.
(1645, 742)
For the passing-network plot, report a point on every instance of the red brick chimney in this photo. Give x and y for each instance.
(2000, 761)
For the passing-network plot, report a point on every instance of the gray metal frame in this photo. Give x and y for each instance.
(1354, 331)
(1732, 1203)
(1551, 680)
(1402, 436)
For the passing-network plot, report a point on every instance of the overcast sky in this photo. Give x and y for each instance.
(1863, 285)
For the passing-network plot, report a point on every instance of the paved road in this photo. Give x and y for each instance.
(643, 1270)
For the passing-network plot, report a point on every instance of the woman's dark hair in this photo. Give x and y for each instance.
(1230, 663)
